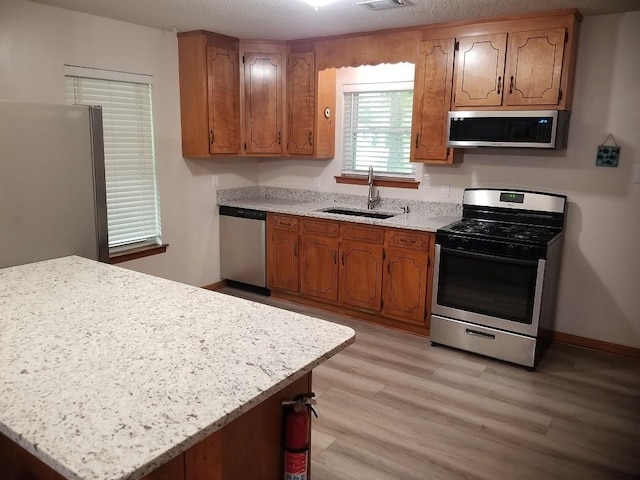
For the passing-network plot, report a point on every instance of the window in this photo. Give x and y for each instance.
(133, 209)
(377, 129)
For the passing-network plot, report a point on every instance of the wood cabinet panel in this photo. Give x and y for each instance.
(479, 74)
(301, 89)
(408, 239)
(534, 67)
(319, 266)
(223, 100)
(361, 233)
(284, 222)
(201, 60)
(282, 261)
(263, 98)
(325, 228)
(432, 101)
(282, 253)
(405, 284)
(360, 275)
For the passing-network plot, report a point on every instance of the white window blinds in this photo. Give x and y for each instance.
(377, 129)
(133, 209)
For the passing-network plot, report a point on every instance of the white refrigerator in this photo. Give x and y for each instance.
(52, 183)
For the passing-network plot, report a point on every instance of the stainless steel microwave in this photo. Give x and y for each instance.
(514, 128)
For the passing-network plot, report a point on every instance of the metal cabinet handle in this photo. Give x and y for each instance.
(342, 258)
(279, 138)
(309, 138)
(499, 84)
(210, 137)
(417, 140)
(295, 250)
(476, 333)
(511, 85)
(335, 257)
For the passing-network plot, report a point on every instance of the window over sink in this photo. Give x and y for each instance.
(376, 121)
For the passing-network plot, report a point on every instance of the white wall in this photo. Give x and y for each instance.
(599, 295)
(37, 40)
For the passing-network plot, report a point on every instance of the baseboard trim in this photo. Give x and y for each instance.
(216, 285)
(577, 341)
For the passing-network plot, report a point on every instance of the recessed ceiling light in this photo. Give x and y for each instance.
(318, 3)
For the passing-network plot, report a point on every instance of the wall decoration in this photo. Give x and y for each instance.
(608, 154)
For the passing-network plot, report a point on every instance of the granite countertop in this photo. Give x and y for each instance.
(106, 373)
(424, 216)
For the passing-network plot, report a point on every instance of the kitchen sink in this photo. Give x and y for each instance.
(358, 213)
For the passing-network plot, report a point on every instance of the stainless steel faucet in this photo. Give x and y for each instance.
(372, 199)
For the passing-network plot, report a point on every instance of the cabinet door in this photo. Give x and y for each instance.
(404, 289)
(360, 275)
(432, 101)
(282, 261)
(301, 86)
(263, 103)
(479, 70)
(224, 100)
(319, 266)
(534, 67)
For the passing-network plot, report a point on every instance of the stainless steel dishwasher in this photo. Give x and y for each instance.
(243, 246)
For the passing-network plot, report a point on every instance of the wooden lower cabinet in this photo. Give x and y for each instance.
(378, 274)
(282, 253)
(360, 275)
(404, 285)
(248, 447)
(319, 266)
(282, 261)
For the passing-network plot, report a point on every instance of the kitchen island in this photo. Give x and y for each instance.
(109, 374)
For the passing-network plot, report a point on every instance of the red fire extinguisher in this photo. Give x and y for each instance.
(296, 436)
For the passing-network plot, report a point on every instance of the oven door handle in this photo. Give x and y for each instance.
(476, 333)
(493, 258)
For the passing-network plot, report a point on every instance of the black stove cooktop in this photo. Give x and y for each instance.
(516, 232)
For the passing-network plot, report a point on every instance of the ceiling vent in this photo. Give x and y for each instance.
(384, 4)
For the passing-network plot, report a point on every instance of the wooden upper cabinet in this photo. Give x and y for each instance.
(223, 100)
(209, 94)
(301, 102)
(521, 69)
(432, 101)
(479, 73)
(263, 98)
(534, 67)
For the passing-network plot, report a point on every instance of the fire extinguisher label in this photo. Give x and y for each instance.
(296, 466)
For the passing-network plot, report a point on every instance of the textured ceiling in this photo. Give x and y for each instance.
(291, 19)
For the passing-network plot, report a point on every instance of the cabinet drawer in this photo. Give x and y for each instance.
(362, 233)
(408, 239)
(319, 227)
(284, 222)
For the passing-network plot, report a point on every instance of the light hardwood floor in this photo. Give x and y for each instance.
(393, 407)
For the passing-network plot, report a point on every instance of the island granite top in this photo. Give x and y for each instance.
(106, 373)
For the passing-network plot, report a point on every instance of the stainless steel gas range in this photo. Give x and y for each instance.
(496, 273)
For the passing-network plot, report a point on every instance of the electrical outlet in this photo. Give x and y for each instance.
(445, 191)
(214, 181)
(426, 181)
(316, 182)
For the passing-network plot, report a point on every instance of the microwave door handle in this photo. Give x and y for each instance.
(485, 256)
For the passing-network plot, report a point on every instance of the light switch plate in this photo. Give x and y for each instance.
(426, 181)
(445, 191)
(214, 181)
